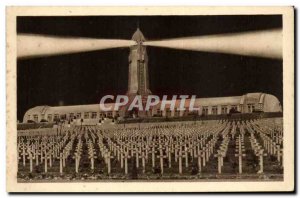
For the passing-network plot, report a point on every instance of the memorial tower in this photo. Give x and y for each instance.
(138, 77)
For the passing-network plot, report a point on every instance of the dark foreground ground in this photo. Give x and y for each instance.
(32, 178)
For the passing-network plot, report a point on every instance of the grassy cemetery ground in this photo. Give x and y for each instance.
(173, 151)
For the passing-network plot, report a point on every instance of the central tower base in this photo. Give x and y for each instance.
(135, 112)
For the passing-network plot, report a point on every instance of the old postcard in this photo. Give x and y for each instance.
(150, 99)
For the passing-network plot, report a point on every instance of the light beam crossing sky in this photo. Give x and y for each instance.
(266, 43)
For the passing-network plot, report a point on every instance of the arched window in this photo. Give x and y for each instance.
(94, 115)
(49, 118)
(214, 110)
(205, 111)
(224, 110)
(86, 115)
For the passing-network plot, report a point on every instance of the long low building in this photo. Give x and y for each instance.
(248, 103)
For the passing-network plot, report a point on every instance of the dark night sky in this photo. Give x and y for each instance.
(83, 78)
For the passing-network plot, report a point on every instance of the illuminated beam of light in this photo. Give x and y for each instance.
(40, 45)
(267, 43)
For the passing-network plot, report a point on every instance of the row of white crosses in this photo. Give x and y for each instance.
(178, 144)
(233, 131)
(162, 144)
(129, 147)
(40, 148)
(77, 153)
(105, 152)
(28, 149)
(258, 151)
(44, 131)
(44, 149)
(22, 147)
(222, 151)
(65, 152)
(240, 151)
(49, 149)
(92, 153)
(270, 144)
(273, 128)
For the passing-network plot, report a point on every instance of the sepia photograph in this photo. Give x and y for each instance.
(153, 97)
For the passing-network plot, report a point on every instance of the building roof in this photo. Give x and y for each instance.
(38, 109)
(232, 100)
(79, 108)
(271, 104)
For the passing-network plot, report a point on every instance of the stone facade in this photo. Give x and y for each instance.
(247, 103)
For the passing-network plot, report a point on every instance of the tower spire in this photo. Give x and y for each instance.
(138, 36)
